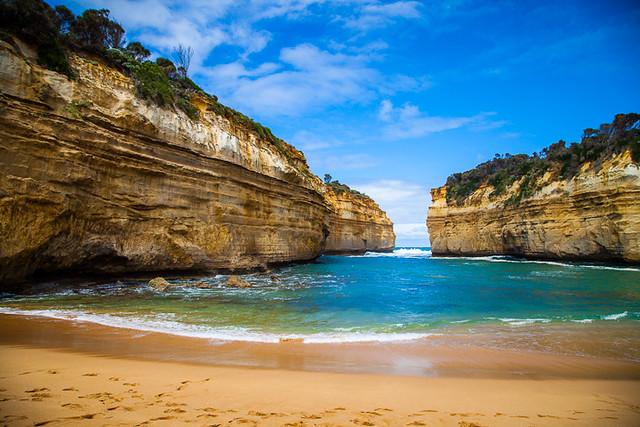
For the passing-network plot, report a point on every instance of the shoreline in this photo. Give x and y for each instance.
(438, 355)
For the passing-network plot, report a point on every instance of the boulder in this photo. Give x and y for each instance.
(236, 282)
(159, 284)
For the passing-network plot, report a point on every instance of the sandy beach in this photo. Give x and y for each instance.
(51, 377)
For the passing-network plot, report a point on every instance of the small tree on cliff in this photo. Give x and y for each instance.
(182, 56)
(139, 52)
(327, 178)
(94, 30)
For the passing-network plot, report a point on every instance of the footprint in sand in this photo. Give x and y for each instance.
(36, 390)
(114, 379)
(131, 384)
(339, 408)
(174, 411)
(468, 424)
(243, 421)
(52, 372)
(70, 389)
(548, 416)
(207, 415)
(311, 417)
(39, 396)
(90, 374)
(362, 422)
(374, 413)
(383, 409)
(416, 423)
(71, 406)
(10, 418)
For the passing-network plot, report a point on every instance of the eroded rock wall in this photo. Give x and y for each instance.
(95, 179)
(357, 224)
(594, 216)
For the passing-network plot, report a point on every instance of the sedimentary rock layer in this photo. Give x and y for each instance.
(357, 224)
(594, 216)
(95, 179)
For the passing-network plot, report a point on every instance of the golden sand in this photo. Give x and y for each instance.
(40, 385)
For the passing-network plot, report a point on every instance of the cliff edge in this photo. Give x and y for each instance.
(579, 202)
(356, 224)
(96, 179)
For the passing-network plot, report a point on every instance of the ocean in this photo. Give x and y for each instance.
(406, 295)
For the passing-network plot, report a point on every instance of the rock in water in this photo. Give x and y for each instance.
(159, 284)
(236, 282)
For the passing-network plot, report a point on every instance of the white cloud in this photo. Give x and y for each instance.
(341, 162)
(384, 113)
(408, 121)
(308, 141)
(406, 203)
(307, 78)
(376, 15)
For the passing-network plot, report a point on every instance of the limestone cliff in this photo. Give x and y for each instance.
(94, 179)
(357, 224)
(594, 214)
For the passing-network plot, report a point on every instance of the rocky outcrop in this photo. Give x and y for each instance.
(94, 179)
(357, 224)
(595, 215)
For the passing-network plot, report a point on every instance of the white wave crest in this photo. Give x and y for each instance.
(521, 322)
(500, 258)
(398, 253)
(216, 334)
(615, 316)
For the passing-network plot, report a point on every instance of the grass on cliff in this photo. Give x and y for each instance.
(55, 32)
(562, 161)
(340, 188)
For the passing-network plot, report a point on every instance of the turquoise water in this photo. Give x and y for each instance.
(405, 295)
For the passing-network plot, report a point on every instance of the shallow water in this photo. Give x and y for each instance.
(404, 295)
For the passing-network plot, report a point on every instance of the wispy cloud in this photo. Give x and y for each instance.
(405, 202)
(342, 162)
(408, 121)
(305, 78)
(378, 14)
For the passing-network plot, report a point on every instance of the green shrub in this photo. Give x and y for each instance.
(152, 83)
(564, 162)
(190, 110)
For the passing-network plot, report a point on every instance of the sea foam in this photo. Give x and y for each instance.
(215, 334)
(615, 316)
(398, 253)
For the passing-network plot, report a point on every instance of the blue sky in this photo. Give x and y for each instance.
(392, 97)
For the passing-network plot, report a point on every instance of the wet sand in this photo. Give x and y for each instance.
(60, 372)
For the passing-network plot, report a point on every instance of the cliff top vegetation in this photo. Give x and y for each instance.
(57, 32)
(340, 188)
(564, 162)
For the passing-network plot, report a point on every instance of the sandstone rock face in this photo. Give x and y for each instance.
(357, 224)
(94, 179)
(594, 216)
